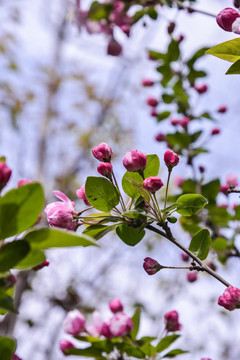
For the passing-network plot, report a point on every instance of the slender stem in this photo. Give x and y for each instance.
(156, 207)
(121, 198)
(187, 7)
(166, 193)
(168, 235)
(178, 267)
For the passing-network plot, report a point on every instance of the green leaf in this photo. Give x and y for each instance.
(190, 224)
(219, 244)
(172, 219)
(200, 244)
(130, 235)
(99, 11)
(228, 50)
(33, 258)
(47, 238)
(211, 189)
(197, 55)
(139, 189)
(165, 342)
(167, 98)
(173, 51)
(153, 164)
(12, 253)
(174, 353)
(98, 231)
(20, 209)
(136, 323)
(7, 347)
(195, 136)
(128, 187)
(190, 204)
(163, 115)
(189, 186)
(181, 139)
(237, 213)
(6, 302)
(234, 69)
(101, 193)
(130, 350)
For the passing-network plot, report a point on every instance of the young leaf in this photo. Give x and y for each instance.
(234, 69)
(211, 189)
(139, 189)
(228, 50)
(6, 303)
(101, 193)
(12, 253)
(7, 347)
(190, 204)
(200, 244)
(153, 164)
(175, 352)
(20, 209)
(136, 323)
(165, 342)
(47, 238)
(97, 231)
(128, 187)
(130, 235)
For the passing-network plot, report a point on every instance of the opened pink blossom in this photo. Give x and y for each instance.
(61, 213)
(82, 195)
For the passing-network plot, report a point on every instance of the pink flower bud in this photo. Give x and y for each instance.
(232, 180)
(61, 213)
(184, 121)
(206, 359)
(114, 48)
(184, 257)
(201, 169)
(174, 122)
(222, 109)
(192, 276)
(152, 184)
(171, 159)
(179, 180)
(15, 357)
(106, 331)
(95, 328)
(105, 169)
(230, 299)
(160, 137)
(154, 113)
(171, 27)
(171, 321)
(120, 324)
(102, 152)
(5, 173)
(226, 18)
(41, 266)
(201, 89)
(9, 281)
(147, 82)
(23, 182)
(151, 101)
(135, 161)
(151, 266)
(215, 131)
(116, 306)
(224, 189)
(74, 323)
(181, 38)
(212, 265)
(65, 345)
(236, 26)
(81, 195)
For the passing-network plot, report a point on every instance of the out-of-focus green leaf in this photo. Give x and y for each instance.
(20, 209)
(6, 302)
(99, 11)
(180, 139)
(33, 258)
(12, 253)
(219, 244)
(136, 323)
(7, 347)
(163, 115)
(174, 353)
(234, 69)
(211, 189)
(165, 342)
(98, 231)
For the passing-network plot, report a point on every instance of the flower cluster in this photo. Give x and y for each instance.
(118, 325)
(230, 299)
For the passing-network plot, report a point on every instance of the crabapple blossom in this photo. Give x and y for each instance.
(171, 321)
(224, 189)
(151, 101)
(215, 131)
(171, 159)
(226, 18)
(115, 306)
(185, 257)
(74, 323)
(82, 195)
(5, 173)
(201, 89)
(61, 213)
(147, 82)
(120, 324)
(23, 182)
(192, 277)
(65, 345)
(222, 109)
(41, 266)
(152, 184)
(160, 137)
(230, 299)
(105, 169)
(102, 152)
(232, 180)
(114, 48)
(135, 161)
(151, 266)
